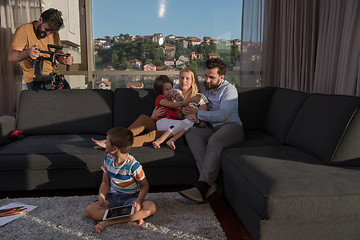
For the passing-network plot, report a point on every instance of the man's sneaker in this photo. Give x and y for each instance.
(192, 194)
(195, 195)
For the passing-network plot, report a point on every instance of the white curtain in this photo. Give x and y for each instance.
(312, 45)
(13, 13)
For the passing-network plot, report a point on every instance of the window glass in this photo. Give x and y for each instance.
(70, 37)
(111, 82)
(164, 35)
(70, 33)
(76, 81)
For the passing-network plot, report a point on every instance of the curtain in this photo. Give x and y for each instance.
(312, 46)
(349, 56)
(13, 13)
(251, 46)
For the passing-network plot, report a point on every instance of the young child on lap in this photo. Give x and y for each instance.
(123, 182)
(170, 121)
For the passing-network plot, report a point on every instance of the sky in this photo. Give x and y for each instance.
(187, 18)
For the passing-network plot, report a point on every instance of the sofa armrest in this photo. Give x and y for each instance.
(7, 124)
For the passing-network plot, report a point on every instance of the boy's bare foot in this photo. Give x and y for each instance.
(141, 222)
(100, 226)
(171, 144)
(100, 144)
(156, 144)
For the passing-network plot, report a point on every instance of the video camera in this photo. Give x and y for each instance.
(56, 80)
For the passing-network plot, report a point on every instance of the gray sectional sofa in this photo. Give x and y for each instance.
(296, 175)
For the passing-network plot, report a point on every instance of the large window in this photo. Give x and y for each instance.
(134, 41)
(117, 43)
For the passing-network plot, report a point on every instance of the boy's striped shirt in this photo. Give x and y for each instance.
(124, 178)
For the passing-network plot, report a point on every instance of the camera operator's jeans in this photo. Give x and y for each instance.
(38, 85)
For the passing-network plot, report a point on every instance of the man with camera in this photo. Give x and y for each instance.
(32, 37)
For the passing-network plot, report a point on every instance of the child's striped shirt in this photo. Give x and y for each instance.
(124, 178)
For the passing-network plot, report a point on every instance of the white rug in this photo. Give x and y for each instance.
(62, 218)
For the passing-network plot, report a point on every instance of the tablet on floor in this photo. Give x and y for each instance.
(118, 212)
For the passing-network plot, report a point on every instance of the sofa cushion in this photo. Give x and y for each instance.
(320, 123)
(283, 183)
(132, 103)
(253, 107)
(258, 138)
(283, 109)
(164, 166)
(49, 162)
(66, 111)
(348, 151)
(51, 152)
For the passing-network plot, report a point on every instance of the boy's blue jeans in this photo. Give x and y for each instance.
(117, 199)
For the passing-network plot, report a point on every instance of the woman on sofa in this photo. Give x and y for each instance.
(188, 87)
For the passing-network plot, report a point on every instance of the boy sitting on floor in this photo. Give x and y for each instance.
(123, 182)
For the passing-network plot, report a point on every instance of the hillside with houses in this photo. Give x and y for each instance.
(157, 52)
(171, 53)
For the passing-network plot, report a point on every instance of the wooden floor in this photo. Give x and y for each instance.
(230, 222)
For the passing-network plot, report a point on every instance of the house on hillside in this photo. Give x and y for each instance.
(237, 43)
(158, 38)
(170, 49)
(171, 37)
(131, 39)
(179, 38)
(194, 55)
(180, 64)
(135, 63)
(165, 68)
(97, 42)
(215, 41)
(149, 67)
(207, 40)
(137, 85)
(140, 39)
(108, 68)
(183, 41)
(213, 55)
(100, 41)
(169, 61)
(194, 41)
(106, 85)
(184, 58)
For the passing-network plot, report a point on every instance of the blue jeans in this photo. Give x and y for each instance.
(117, 199)
(38, 85)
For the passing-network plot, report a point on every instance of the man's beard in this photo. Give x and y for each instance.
(212, 86)
(40, 34)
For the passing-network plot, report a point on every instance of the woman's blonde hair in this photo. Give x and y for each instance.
(195, 81)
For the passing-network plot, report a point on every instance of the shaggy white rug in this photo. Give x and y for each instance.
(62, 218)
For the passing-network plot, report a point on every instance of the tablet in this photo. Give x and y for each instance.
(118, 212)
